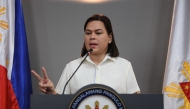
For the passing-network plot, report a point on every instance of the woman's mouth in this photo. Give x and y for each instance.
(93, 45)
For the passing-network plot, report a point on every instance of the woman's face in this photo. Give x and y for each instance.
(96, 37)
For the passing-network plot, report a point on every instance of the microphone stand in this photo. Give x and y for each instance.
(77, 69)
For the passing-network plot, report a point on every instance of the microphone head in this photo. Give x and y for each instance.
(90, 51)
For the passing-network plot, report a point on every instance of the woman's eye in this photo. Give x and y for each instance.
(87, 33)
(98, 33)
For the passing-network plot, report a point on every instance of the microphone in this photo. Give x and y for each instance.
(90, 51)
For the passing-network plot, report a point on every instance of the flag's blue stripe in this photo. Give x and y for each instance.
(21, 76)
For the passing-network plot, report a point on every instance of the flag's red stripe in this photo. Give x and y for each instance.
(7, 97)
(3, 91)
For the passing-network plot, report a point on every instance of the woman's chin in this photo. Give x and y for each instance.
(94, 53)
(93, 49)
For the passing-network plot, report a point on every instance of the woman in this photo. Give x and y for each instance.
(102, 66)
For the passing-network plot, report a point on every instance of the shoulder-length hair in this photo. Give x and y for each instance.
(112, 48)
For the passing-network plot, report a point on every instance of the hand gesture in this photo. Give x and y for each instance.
(45, 84)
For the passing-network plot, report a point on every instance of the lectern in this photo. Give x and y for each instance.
(97, 96)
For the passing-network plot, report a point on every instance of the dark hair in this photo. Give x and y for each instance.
(112, 48)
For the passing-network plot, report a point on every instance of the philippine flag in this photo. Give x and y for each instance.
(15, 77)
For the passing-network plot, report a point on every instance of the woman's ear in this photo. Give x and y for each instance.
(110, 36)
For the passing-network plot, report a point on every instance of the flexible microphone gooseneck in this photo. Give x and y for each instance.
(90, 51)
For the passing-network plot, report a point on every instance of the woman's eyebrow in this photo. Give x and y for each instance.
(87, 30)
(98, 29)
(92, 30)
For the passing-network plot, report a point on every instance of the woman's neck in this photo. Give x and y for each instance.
(97, 58)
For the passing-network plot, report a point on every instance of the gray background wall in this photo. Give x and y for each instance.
(141, 27)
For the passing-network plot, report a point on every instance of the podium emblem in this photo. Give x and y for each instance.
(96, 106)
(97, 97)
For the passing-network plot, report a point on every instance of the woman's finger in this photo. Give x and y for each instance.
(44, 73)
(36, 75)
(41, 84)
(48, 85)
(43, 90)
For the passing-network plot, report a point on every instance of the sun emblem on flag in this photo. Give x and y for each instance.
(3, 24)
(96, 106)
(181, 90)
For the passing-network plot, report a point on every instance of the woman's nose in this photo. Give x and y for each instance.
(92, 36)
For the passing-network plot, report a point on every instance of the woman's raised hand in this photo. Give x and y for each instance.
(45, 84)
